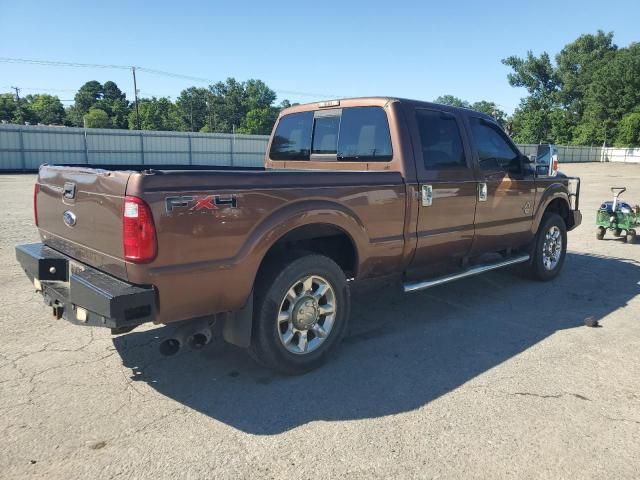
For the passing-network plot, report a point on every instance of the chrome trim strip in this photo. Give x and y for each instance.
(422, 285)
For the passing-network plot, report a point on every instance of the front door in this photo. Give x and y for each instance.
(504, 214)
(448, 189)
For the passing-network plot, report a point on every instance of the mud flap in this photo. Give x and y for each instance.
(237, 325)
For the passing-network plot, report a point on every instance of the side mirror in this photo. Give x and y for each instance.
(518, 164)
(527, 164)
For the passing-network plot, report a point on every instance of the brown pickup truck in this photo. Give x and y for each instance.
(351, 189)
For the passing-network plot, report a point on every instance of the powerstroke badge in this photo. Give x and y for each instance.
(191, 204)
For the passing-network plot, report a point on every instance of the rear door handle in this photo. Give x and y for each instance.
(482, 192)
(427, 195)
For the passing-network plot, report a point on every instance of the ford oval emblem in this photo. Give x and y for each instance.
(69, 218)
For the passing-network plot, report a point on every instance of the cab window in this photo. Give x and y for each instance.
(364, 135)
(292, 138)
(495, 151)
(440, 139)
(325, 133)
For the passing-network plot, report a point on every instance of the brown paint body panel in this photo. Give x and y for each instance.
(96, 238)
(207, 261)
(208, 258)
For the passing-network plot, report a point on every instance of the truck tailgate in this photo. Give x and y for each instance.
(80, 214)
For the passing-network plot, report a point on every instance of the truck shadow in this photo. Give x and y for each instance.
(403, 351)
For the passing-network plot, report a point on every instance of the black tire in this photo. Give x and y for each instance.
(537, 269)
(631, 236)
(272, 285)
(600, 233)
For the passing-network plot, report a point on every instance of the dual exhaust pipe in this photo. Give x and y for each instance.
(194, 334)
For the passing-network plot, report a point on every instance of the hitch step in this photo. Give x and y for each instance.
(469, 272)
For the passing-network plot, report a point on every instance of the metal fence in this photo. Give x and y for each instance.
(569, 153)
(25, 148)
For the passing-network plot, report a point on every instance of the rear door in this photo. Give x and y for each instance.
(80, 214)
(505, 211)
(448, 188)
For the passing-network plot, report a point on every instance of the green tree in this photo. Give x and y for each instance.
(490, 108)
(8, 107)
(452, 101)
(259, 121)
(230, 104)
(48, 109)
(115, 103)
(577, 64)
(258, 95)
(88, 95)
(192, 108)
(614, 92)
(629, 130)
(156, 114)
(583, 97)
(97, 118)
(530, 124)
(24, 113)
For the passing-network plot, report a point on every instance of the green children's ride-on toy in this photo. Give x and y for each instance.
(618, 217)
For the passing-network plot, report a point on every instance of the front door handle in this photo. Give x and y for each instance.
(427, 195)
(482, 192)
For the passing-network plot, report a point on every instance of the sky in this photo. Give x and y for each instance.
(304, 50)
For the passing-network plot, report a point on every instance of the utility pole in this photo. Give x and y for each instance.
(135, 94)
(19, 110)
(17, 89)
(191, 104)
(209, 110)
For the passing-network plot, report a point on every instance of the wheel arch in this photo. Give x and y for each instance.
(320, 227)
(555, 199)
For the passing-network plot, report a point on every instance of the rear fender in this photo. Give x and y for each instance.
(264, 235)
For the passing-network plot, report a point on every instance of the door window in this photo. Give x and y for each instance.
(292, 138)
(495, 151)
(440, 139)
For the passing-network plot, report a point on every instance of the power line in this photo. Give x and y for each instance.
(152, 71)
(59, 64)
(68, 90)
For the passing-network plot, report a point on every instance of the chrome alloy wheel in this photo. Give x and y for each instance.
(307, 314)
(552, 248)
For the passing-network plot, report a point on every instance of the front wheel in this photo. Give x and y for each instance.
(301, 313)
(550, 248)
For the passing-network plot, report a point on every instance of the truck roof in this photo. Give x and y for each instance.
(376, 100)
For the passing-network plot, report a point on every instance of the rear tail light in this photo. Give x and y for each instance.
(138, 231)
(36, 189)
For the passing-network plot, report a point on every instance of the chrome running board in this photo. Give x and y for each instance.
(469, 272)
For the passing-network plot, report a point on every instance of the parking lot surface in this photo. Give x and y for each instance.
(494, 376)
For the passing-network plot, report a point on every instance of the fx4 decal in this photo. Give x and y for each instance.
(189, 204)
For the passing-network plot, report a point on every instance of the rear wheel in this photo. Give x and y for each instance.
(550, 248)
(631, 236)
(301, 313)
(600, 231)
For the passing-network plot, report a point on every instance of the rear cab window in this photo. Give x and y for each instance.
(351, 134)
